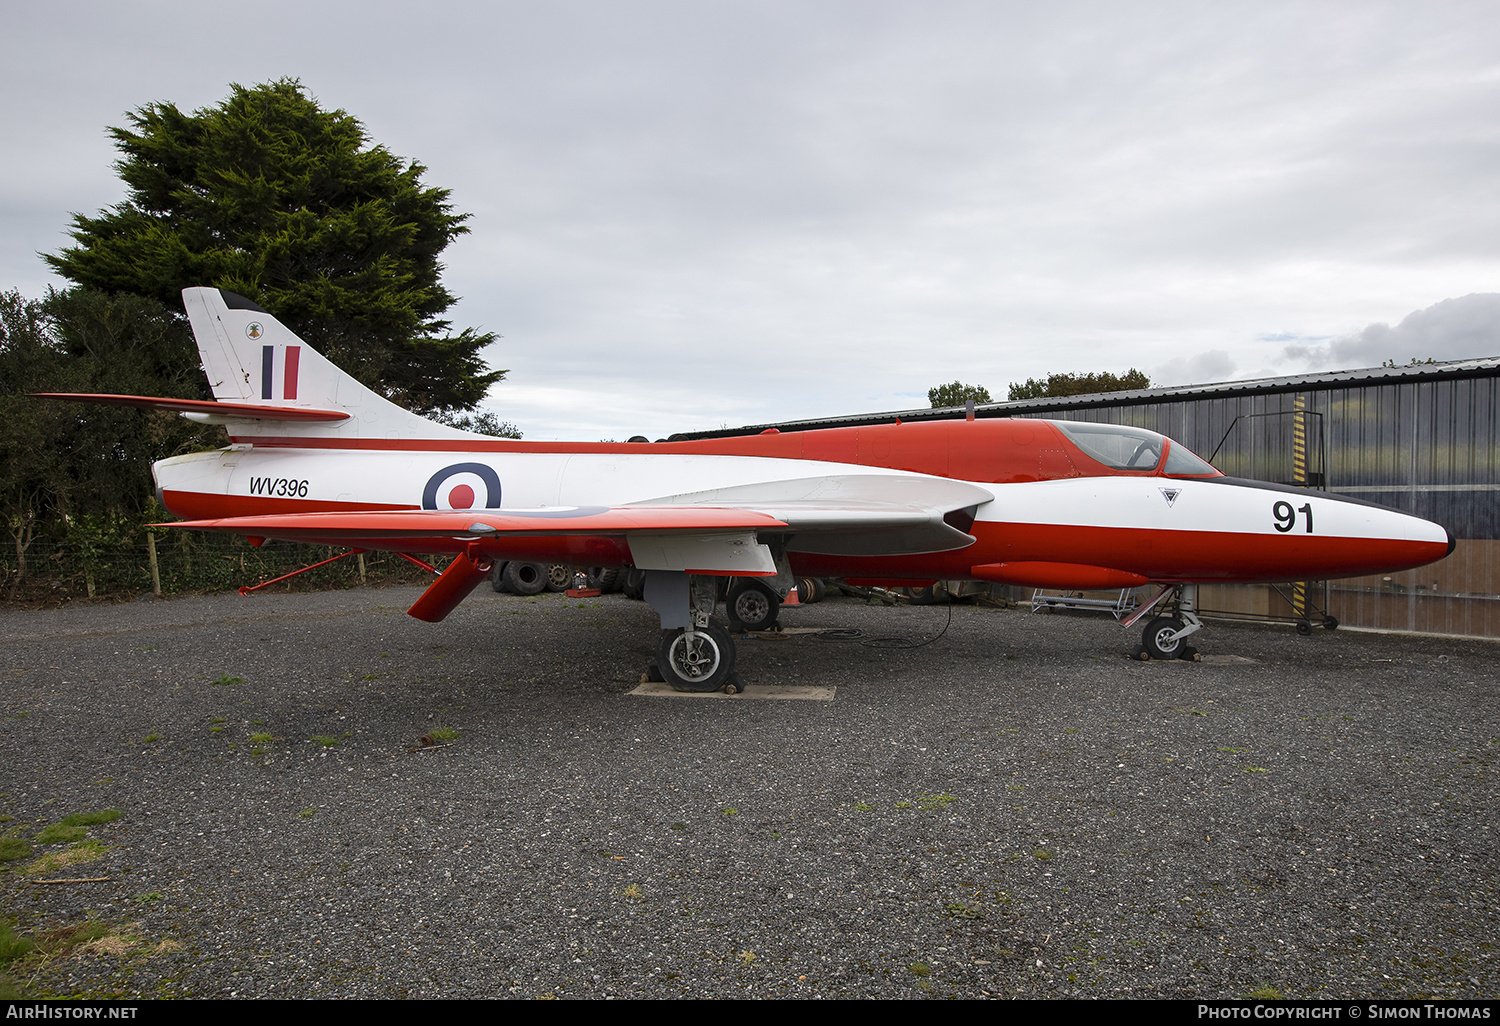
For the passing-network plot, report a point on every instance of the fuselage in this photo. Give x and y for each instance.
(1073, 505)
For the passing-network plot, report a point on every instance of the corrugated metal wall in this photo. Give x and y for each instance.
(1427, 447)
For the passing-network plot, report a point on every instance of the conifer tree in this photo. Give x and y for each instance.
(271, 196)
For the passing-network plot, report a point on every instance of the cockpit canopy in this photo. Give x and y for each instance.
(1130, 448)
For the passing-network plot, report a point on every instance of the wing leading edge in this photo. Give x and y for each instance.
(695, 539)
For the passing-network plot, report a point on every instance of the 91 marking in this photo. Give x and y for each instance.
(1286, 518)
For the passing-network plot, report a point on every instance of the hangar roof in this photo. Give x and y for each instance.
(1373, 376)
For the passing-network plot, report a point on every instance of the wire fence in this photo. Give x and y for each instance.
(55, 573)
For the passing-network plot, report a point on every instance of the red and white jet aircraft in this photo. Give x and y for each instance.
(317, 457)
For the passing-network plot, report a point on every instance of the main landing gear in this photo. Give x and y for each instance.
(697, 658)
(693, 653)
(1165, 636)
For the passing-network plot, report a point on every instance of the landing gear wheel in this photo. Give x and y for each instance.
(1157, 638)
(699, 662)
(559, 577)
(525, 578)
(1330, 623)
(752, 606)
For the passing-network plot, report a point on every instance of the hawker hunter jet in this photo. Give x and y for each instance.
(317, 457)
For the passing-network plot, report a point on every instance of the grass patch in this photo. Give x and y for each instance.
(12, 944)
(261, 739)
(151, 738)
(326, 740)
(444, 734)
(936, 801)
(1265, 993)
(226, 681)
(29, 957)
(84, 851)
(59, 833)
(12, 848)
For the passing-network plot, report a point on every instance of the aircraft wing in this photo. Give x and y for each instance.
(691, 538)
(858, 514)
(716, 532)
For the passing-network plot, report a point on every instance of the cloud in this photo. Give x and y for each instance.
(1205, 368)
(1464, 328)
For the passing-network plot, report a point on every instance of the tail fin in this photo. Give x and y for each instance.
(252, 358)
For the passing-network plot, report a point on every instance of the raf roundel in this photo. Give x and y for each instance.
(463, 486)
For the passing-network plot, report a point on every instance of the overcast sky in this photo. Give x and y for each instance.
(695, 214)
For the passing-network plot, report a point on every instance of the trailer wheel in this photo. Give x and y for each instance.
(525, 578)
(752, 606)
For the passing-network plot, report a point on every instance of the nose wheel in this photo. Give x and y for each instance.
(1165, 637)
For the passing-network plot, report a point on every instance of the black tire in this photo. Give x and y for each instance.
(809, 590)
(606, 579)
(1154, 638)
(634, 585)
(1304, 628)
(922, 596)
(1330, 623)
(559, 577)
(525, 578)
(497, 576)
(752, 606)
(700, 665)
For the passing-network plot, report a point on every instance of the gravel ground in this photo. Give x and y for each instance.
(1013, 810)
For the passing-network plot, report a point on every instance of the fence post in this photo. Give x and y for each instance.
(361, 557)
(155, 574)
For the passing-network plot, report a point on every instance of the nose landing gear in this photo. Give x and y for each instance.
(1165, 637)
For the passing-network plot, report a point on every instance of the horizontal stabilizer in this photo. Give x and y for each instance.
(208, 410)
